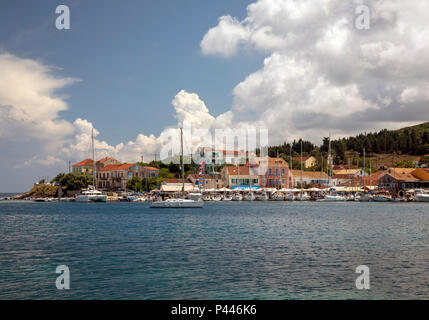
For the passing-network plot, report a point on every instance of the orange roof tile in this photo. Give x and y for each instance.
(85, 163)
(117, 167)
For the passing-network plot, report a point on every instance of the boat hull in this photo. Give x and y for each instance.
(177, 204)
(91, 198)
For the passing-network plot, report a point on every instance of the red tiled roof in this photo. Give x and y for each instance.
(85, 163)
(151, 168)
(117, 167)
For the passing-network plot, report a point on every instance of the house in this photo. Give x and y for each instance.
(356, 181)
(116, 176)
(86, 165)
(235, 176)
(308, 161)
(150, 172)
(399, 179)
(273, 172)
(207, 181)
(309, 178)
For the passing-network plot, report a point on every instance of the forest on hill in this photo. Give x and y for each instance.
(412, 140)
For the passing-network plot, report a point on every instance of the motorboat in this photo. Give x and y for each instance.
(249, 196)
(302, 197)
(91, 195)
(217, 197)
(237, 197)
(335, 197)
(261, 196)
(421, 196)
(289, 197)
(177, 203)
(227, 197)
(382, 198)
(279, 196)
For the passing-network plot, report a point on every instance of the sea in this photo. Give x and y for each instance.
(226, 250)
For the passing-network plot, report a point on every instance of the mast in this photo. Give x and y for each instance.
(363, 171)
(329, 162)
(182, 162)
(301, 168)
(93, 158)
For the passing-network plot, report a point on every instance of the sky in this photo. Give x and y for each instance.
(134, 70)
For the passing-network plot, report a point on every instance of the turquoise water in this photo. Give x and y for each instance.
(247, 250)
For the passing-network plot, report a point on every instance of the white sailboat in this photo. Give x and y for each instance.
(92, 194)
(179, 202)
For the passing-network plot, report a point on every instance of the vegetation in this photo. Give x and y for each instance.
(405, 164)
(406, 141)
(43, 190)
(73, 181)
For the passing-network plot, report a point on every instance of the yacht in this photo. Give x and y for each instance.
(91, 195)
(381, 197)
(302, 197)
(289, 196)
(179, 202)
(335, 197)
(227, 197)
(248, 196)
(279, 196)
(237, 197)
(422, 196)
(262, 196)
(217, 197)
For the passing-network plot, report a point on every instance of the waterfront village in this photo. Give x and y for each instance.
(237, 175)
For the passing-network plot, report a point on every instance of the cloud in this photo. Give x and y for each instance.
(321, 73)
(28, 102)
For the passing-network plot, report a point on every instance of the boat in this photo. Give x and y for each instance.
(237, 197)
(227, 197)
(261, 196)
(363, 197)
(91, 195)
(206, 197)
(179, 202)
(279, 196)
(289, 197)
(335, 197)
(217, 197)
(421, 196)
(381, 197)
(249, 196)
(302, 197)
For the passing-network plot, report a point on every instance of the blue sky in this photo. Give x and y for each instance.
(132, 57)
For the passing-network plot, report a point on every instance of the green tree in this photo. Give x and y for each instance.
(135, 184)
(73, 180)
(405, 164)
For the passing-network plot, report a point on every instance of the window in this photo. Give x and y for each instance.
(270, 172)
(277, 172)
(283, 181)
(283, 171)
